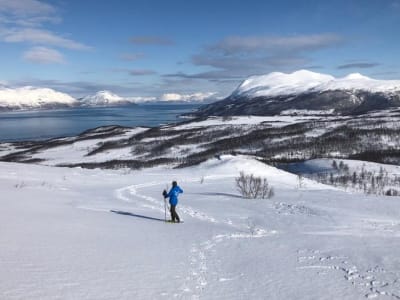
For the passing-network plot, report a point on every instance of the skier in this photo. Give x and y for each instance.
(173, 200)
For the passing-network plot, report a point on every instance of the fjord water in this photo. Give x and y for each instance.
(37, 125)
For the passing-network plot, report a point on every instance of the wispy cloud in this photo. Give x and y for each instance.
(358, 66)
(132, 56)
(26, 7)
(24, 22)
(230, 60)
(239, 44)
(40, 37)
(142, 72)
(31, 13)
(133, 72)
(210, 75)
(241, 56)
(43, 55)
(151, 40)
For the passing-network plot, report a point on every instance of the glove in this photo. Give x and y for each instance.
(164, 193)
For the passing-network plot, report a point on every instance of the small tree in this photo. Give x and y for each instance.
(253, 187)
(300, 181)
(354, 179)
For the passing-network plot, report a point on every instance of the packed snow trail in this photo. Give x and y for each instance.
(197, 279)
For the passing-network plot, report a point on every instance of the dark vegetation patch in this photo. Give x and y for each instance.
(367, 138)
(118, 164)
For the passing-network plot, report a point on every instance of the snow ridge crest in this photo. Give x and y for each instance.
(303, 81)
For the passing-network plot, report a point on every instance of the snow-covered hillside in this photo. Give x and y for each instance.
(276, 84)
(102, 98)
(34, 98)
(304, 90)
(372, 137)
(100, 234)
(31, 97)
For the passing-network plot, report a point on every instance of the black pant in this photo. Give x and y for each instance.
(174, 215)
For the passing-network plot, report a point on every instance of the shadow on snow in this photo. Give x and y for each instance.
(220, 194)
(125, 213)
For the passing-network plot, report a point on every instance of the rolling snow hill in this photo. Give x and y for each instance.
(83, 217)
(304, 90)
(71, 233)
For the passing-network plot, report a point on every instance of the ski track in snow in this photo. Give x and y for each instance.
(128, 193)
(197, 278)
(373, 282)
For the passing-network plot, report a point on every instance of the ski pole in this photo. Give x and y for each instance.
(165, 203)
(165, 209)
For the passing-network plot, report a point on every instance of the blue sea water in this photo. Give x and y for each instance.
(36, 125)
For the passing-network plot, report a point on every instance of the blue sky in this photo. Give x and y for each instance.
(154, 47)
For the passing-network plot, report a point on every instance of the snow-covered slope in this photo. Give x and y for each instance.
(100, 234)
(195, 97)
(31, 97)
(35, 98)
(307, 91)
(279, 84)
(103, 98)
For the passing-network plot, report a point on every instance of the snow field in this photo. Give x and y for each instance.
(60, 240)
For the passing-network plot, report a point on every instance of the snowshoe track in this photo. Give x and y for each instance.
(374, 282)
(198, 277)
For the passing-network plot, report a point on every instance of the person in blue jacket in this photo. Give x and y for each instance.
(173, 200)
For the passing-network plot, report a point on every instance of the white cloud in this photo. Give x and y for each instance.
(43, 55)
(187, 97)
(23, 21)
(25, 7)
(40, 36)
(31, 13)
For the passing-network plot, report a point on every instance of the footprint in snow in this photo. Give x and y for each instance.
(372, 283)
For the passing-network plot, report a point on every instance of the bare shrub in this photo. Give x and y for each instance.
(250, 186)
(300, 181)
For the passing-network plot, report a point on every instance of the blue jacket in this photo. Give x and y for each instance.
(173, 195)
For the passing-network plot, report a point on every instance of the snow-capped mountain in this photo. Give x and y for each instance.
(279, 84)
(194, 97)
(305, 90)
(31, 97)
(103, 98)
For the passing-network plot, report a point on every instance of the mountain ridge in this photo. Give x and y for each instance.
(277, 92)
(103, 98)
